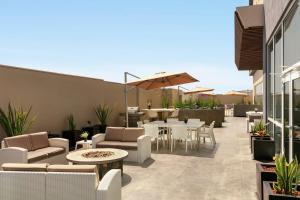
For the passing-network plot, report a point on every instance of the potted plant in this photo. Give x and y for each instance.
(72, 134)
(16, 121)
(286, 185)
(264, 172)
(84, 136)
(165, 102)
(103, 112)
(259, 132)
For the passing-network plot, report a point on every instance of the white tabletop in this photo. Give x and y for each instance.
(76, 156)
(169, 124)
(160, 109)
(253, 113)
(84, 142)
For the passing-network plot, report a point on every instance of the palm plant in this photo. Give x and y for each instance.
(165, 102)
(71, 122)
(259, 128)
(103, 112)
(288, 176)
(16, 121)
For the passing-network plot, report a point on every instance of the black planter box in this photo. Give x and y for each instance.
(100, 128)
(261, 176)
(263, 149)
(72, 136)
(251, 136)
(269, 195)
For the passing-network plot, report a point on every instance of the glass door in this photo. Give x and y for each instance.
(296, 114)
(291, 110)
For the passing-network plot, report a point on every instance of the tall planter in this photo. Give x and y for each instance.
(252, 136)
(207, 115)
(240, 110)
(264, 172)
(263, 149)
(270, 195)
(73, 136)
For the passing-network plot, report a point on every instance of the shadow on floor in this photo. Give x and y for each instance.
(205, 150)
(146, 164)
(126, 179)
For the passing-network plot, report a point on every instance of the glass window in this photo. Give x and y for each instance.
(270, 82)
(286, 108)
(291, 36)
(277, 77)
(277, 139)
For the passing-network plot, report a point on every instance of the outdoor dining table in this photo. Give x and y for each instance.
(168, 126)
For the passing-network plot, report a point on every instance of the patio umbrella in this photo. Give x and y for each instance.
(207, 93)
(162, 79)
(235, 93)
(158, 80)
(199, 90)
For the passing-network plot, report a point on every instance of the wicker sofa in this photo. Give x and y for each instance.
(34, 148)
(58, 182)
(133, 140)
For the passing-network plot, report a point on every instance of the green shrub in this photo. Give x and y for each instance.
(103, 112)
(71, 122)
(288, 175)
(165, 102)
(16, 121)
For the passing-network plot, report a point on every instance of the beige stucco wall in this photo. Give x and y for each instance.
(256, 2)
(54, 96)
(257, 76)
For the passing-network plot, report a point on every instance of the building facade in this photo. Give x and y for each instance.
(276, 72)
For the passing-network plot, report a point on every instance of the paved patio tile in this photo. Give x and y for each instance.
(228, 172)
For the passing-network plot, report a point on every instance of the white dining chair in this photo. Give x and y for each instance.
(140, 124)
(154, 132)
(145, 121)
(180, 132)
(207, 133)
(194, 130)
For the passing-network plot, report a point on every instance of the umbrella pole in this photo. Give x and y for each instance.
(126, 94)
(126, 99)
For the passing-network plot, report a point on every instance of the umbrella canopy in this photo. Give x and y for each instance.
(163, 79)
(199, 90)
(235, 93)
(207, 93)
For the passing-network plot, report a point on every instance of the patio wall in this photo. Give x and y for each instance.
(54, 96)
(223, 99)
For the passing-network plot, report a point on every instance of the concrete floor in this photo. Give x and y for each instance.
(224, 173)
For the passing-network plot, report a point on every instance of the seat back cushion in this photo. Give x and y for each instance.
(114, 133)
(73, 168)
(21, 141)
(132, 134)
(39, 140)
(36, 167)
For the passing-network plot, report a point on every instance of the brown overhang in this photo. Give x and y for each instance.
(249, 33)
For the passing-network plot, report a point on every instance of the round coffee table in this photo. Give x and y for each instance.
(109, 158)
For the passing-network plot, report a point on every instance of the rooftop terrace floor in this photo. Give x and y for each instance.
(228, 172)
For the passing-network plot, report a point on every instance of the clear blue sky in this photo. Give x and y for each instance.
(103, 39)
